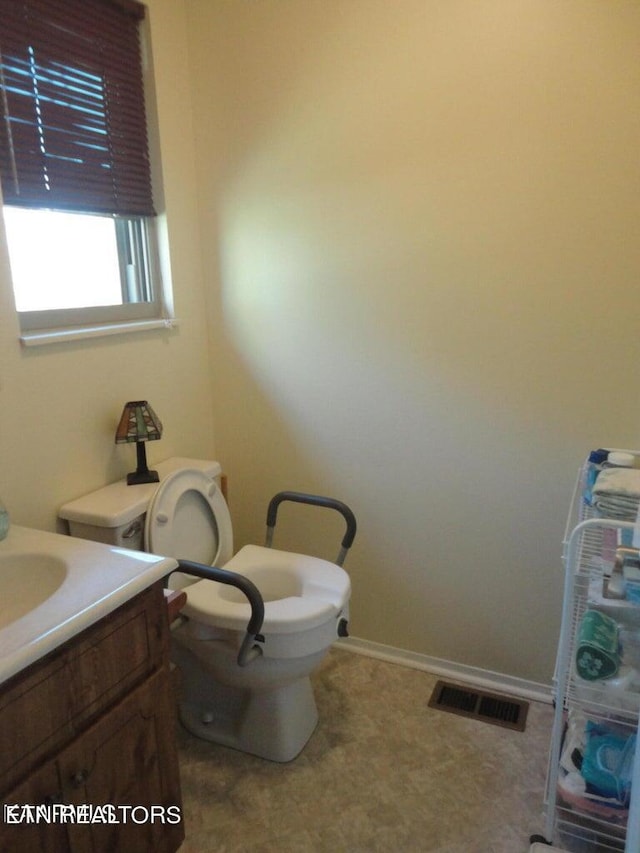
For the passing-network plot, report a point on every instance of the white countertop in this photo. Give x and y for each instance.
(99, 578)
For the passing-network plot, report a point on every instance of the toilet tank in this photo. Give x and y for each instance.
(128, 535)
(115, 514)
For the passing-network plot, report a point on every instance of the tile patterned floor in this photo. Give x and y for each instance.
(382, 772)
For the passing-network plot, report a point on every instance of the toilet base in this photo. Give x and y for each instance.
(273, 724)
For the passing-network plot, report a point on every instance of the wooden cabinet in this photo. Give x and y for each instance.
(40, 787)
(92, 727)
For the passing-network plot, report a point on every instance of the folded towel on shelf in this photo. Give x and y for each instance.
(616, 493)
(614, 507)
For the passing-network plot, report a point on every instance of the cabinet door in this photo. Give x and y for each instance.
(127, 761)
(45, 707)
(41, 788)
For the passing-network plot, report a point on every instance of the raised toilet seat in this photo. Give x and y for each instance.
(267, 707)
(293, 599)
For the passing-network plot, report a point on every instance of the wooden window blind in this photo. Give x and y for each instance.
(73, 134)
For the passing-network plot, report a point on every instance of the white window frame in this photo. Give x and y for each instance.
(142, 294)
(38, 328)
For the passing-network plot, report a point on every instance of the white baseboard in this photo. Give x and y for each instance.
(482, 678)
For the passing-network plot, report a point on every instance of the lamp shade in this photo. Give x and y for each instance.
(138, 423)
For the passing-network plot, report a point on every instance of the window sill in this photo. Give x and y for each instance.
(81, 333)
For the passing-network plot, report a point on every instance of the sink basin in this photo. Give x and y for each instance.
(52, 587)
(26, 580)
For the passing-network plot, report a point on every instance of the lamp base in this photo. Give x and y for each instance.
(135, 478)
(142, 474)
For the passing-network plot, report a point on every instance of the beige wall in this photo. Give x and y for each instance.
(420, 235)
(59, 405)
(420, 263)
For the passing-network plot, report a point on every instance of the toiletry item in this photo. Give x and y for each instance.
(4, 521)
(597, 655)
(607, 763)
(596, 460)
(631, 575)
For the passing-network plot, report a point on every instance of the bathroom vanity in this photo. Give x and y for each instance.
(91, 722)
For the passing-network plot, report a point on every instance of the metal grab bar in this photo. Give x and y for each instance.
(314, 500)
(249, 649)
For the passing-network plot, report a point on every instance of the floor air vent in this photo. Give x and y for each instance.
(488, 707)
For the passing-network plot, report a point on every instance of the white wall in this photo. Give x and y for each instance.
(420, 236)
(59, 405)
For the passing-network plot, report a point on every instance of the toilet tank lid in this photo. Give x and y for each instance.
(118, 503)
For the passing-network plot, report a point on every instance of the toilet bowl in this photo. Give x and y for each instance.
(266, 705)
(266, 708)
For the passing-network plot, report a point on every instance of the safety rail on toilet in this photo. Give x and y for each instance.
(314, 500)
(250, 648)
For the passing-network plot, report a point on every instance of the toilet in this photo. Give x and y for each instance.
(265, 707)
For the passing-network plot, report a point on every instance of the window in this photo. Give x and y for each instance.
(74, 163)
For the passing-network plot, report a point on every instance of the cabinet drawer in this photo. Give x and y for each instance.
(44, 707)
